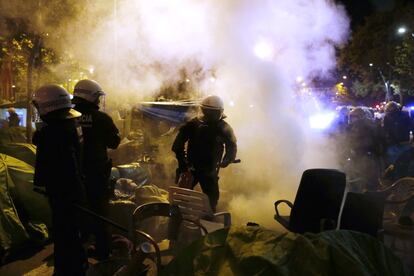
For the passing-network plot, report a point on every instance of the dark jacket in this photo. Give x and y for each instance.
(206, 144)
(99, 134)
(397, 127)
(57, 166)
(364, 137)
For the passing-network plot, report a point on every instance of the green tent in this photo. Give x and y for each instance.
(24, 214)
(22, 151)
(258, 251)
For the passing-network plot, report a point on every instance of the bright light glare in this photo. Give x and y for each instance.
(231, 103)
(402, 30)
(263, 50)
(91, 69)
(299, 79)
(321, 120)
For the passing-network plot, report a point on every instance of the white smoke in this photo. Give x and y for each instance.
(253, 50)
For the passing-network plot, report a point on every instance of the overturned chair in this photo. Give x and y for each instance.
(317, 203)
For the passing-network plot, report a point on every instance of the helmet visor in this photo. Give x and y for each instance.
(212, 115)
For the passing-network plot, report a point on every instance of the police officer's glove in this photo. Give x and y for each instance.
(224, 164)
(179, 171)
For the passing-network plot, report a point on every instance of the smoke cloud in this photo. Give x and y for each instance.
(248, 52)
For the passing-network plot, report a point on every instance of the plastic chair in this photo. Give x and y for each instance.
(161, 249)
(318, 201)
(398, 233)
(195, 206)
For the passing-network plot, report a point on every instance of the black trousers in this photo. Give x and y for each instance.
(69, 255)
(97, 193)
(208, 180)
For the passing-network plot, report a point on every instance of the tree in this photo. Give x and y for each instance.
(377, 56)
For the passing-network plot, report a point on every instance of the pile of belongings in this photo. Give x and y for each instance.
(252, 250)
(132, 188)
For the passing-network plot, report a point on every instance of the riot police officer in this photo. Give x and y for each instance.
(396, 128)
(57, 170)
(99, 133)
(207, 138)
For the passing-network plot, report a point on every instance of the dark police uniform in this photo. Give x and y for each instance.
(396, 130)
(57, 168)
(206, 142)
(99, 133)
(397, 127)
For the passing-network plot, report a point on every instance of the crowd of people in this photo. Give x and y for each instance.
(73, 169)
(374, 144)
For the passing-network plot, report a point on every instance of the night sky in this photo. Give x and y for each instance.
(358, 9)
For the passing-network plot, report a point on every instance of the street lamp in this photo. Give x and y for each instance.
(401, 30)
(386, 83)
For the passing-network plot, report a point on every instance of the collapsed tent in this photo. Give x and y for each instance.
(256, 251)
(24, 214)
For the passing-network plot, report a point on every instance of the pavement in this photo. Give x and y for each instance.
(33, 264)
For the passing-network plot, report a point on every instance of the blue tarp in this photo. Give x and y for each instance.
(173, 112)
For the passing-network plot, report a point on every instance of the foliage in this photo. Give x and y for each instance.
(28, 29)
(390, 54)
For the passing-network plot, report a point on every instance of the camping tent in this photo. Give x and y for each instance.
(24, 214)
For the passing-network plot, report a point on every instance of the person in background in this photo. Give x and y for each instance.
(14, 120)
(207, 137)
(58, 174)
(396, 128)
(364, 148)
(99, 133)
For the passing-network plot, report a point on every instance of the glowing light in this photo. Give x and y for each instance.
(401, 30)
(91, 69)
(263, 50)
(69, 79)
(212, 79)
(371, 64)
(75, 80)
(411, 107)
(304, 84)
(13, 86)
(231, 103)
(299, 79)
(321, 120)
(344, 77)
(187, 80)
